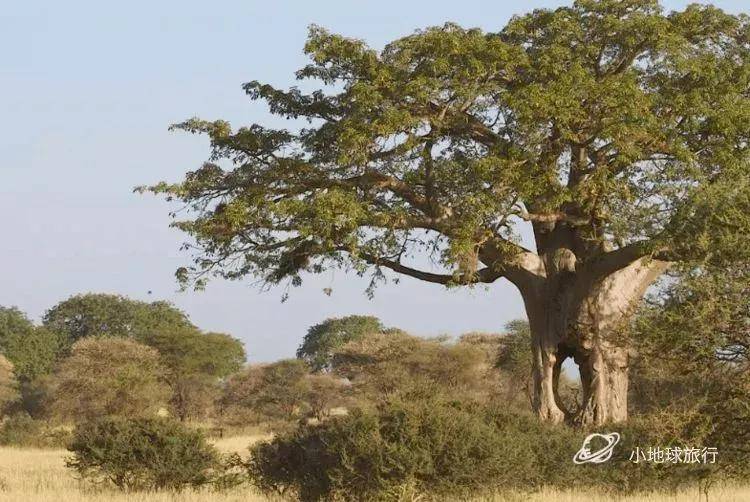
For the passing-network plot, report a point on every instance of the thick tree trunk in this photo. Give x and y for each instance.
(546, 372)
(601, 344)
(569, 317)
(604, 383)
(547, 307)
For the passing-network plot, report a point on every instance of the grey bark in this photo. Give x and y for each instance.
(574, 314)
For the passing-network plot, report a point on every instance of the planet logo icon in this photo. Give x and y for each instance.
(586, 456)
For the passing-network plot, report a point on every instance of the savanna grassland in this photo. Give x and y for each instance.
(39, 475)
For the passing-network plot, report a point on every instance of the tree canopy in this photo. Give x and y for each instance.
(100, 314)
(193, 361)
(31, 349)
(282, 389)
(322, 339)
(612, 126)
(618, 132)
(703, 318)
(189, 351)
(109, 376)
(382, 366)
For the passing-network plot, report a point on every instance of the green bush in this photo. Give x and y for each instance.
(552, 449)
(19, 430)
(22, 430)
(437, 449)
(143, 454)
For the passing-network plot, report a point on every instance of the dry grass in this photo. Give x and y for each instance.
(716, 494)
(238, 444)
(31, 475)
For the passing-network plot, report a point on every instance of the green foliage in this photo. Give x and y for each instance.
(194, 361)
(623, 128)
(325, 392)
(280, 392)
(223, 354)
(34, 354)
(187, 351)
(143, 454)
(93, 314)
(380, 366)
(694, 354)
(284, 386)
(433, 449)
(515, 347)
(271, 391)
(702, 316)
(8, 385)
(108, 376)
(13, 322)
(514, 359)
(23, 431)
(33, 350)
(375, 456)
(324, 338)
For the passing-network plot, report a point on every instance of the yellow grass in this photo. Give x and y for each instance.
(34, 475)
(716, 494)
(31, 475)
(238, 444)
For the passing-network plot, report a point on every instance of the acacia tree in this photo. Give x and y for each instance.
(617, 131)
(195, 364)
(280, 389)
(194, 361)
(101, 314)
(400, 364)
(31, 349)
(323, 338)
(108, 376)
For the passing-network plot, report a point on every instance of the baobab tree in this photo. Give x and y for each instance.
(616, 130)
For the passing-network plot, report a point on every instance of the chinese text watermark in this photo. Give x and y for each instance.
(606, 442)
(674, 455)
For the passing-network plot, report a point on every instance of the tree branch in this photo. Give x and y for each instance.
(485, 275)
(554, 217)
(612, 261)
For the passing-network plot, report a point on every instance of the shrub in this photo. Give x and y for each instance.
(142, 454)
(323, 339)
(381, 367)
(283, 391)
(108, 376)
(22, 430)
(437, 450)
(19, 430)
(8, 384)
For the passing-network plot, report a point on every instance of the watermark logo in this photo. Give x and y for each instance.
(586, 456)
(675, 455)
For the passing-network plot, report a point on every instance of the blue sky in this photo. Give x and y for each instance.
(87, 90)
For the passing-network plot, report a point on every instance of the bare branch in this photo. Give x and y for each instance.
(554, 217)
(485, 275)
